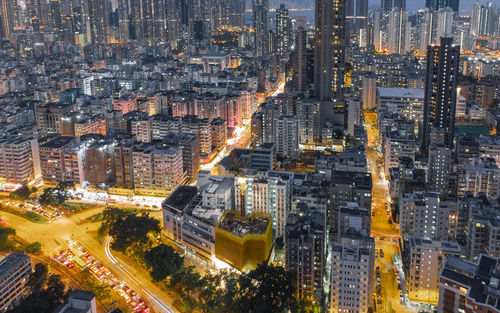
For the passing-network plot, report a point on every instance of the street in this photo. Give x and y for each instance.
(384, 231)
(55, 235)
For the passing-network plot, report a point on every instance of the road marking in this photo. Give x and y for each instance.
(110, 256)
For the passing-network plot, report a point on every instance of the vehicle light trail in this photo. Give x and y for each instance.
(146, 291)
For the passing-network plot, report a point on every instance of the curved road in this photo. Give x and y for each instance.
(55, 236)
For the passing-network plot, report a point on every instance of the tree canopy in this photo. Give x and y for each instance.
(133, 232)
(45, 292)
(163, 261)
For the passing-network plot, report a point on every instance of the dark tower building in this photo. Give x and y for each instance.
(283, 30)
(260, 26)
(123, 20)
(386, 5)
(55, 18)
(440, 94)
(356, 12)
(329, 45)
(36, 13)
(438, 4)
(9, 17)
(300, 60)
(97, 11)
(228, 13)
(400, 4)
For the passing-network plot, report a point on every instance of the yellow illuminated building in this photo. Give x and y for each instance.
(243, 241)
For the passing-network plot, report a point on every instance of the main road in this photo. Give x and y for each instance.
(385, 232)
(55, 236)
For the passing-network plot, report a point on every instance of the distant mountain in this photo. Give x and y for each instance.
(412, 5)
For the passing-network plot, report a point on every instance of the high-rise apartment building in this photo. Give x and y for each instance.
(399, 31)
(351, 283)
(19, 159)
(308, 114)
(440, 94)
(36, 13)
(14, 272)
(329, 56)
(438, 4)
(264, 193)
(305, 238)
(9, 17)
(156, 169)
(260, 10)
(439, 168)
(284, 38)
(386, 5)
(483, 20)
(299, 59)
(286, 136)
(422, 262)
(356, 16)
(229, 13)
(97, 20)
(55, 17)
(481, 176)
(425, 215)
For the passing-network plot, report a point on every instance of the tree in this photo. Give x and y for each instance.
(57, 195)
(271, 288)
(101, 291)
(23, 192)
(37, 279)
(45, 292)
(5, 233)
(265, 289)
(109, 216)
(33, 247)
(133, 232)
(163, 261)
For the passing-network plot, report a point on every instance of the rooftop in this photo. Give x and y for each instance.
(401, 93)
(58, 142)
(240, 226)
(181, 197)
(11, 261)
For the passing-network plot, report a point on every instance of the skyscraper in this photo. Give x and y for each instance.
(440, 94)
(438, 4)
(329, 48)
(260, 26)
(386, 5)
(9, 17)
(305, 251)
(55, 18)
(36, 13)
(400, 4)
(283, 30)
(173, 17)
(399, 31)
(228, 13)
(300, 60)
(123, 20)
(483, 20)
(356, 13)
(97, 20)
